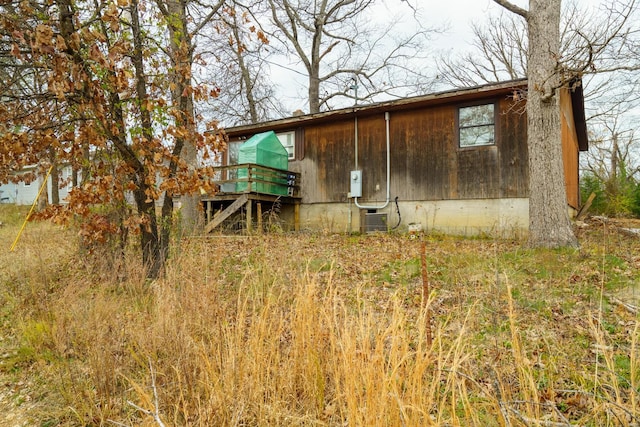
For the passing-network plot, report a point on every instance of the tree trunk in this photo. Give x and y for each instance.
(314, 69)
(182, 56)
(43, 199)
(191, 220)
(55, 179)
(153, 255)
(549, 222)
(314, 94)
(245, 74)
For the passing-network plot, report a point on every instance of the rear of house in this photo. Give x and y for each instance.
(454, 162)
(24, 192)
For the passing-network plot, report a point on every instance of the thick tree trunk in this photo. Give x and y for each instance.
(314, 94)
(191, 218)
(549, 222)
(43, 199)
(153, 255)
(55, 189)
(181, 48)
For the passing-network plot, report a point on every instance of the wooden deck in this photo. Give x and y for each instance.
(248, 186)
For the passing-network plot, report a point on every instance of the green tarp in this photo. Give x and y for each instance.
(264, 149)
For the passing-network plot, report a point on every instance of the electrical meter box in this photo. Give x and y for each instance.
(356, 183)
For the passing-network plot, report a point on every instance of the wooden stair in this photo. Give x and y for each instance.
(219, 217)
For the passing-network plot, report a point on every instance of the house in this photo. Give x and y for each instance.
(24, 192)
(454, 161)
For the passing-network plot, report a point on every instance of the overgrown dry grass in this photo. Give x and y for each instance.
(326, 330)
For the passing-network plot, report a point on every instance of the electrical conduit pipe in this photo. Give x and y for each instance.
(386, 203)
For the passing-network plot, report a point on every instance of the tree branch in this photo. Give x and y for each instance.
(513, 8)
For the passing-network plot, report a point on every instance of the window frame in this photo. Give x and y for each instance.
(291, 148)
(236, 144)
(232, 174)
(492, 124)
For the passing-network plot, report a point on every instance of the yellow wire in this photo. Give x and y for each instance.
(24, 224)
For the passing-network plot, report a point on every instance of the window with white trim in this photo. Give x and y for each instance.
(233, 154)
(288, 141)
(476, 125)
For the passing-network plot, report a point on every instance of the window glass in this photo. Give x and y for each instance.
(288, 141)
(476, 125)
(233, 153)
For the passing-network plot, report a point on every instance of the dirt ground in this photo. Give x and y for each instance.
(13, 406)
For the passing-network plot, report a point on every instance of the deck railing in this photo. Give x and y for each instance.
(253, 178)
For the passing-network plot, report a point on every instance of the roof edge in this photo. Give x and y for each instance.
(396, 104)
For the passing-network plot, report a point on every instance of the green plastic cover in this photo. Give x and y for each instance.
(264, 149)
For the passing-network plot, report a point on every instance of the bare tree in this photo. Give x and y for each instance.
(498, 52)
(599, 41)
(613, 162)
(554, 59)
(241, 52)
(342, 51)
(549, 223)
(183, 27)
(599, 45)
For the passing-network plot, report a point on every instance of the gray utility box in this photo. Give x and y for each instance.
(372, 222)
(356, 183)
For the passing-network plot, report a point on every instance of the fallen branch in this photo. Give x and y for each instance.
(545, 423)
(633, 309)
(156, 406)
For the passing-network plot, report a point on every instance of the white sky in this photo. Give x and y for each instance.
(457, 14)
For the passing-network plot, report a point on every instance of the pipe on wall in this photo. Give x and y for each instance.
(356, 141)
(386, 203)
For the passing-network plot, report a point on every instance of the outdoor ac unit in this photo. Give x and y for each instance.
(373, 222)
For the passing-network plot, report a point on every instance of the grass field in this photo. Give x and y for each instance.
(322, 330)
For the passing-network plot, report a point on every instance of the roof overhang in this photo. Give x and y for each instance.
(579, 118)
(511, 88)
(447, 97)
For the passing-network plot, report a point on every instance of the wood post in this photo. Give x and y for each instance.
(249, 215)
(259, 214)
(221, 216)
(209, 212)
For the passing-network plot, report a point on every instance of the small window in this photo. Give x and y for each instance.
(288, 140)
(233, 154)
(476, 125)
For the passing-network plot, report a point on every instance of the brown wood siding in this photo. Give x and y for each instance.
(479, 173)
(512, 144)
(422, 165)
(570, 151)
(328, 158)
(426, 163)
(372, 157)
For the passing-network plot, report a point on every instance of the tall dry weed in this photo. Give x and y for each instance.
(328, 330)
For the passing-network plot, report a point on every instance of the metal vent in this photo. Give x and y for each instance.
(373, 222)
